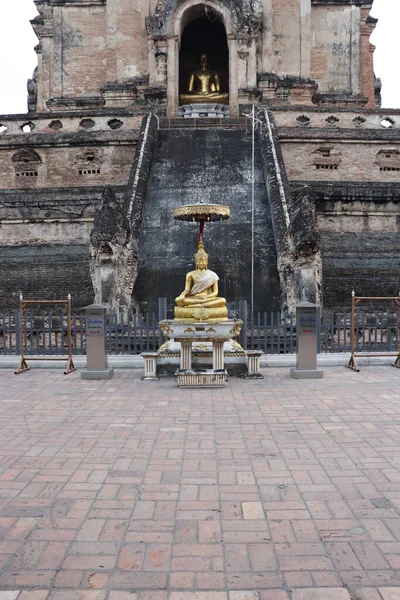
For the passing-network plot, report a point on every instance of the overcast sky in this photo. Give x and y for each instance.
(18, 59)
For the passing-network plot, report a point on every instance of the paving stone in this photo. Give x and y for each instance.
(157, 557)
(245, 478)
(238, 595)
(253, 510)
(139, 580)
(182, 580)
(77, 595)
(198, 596)
(321, 594)
(153, 595)
(210, 581)
(390, 593)
(366, 594)
(298, 579)
(274, 595)
(34, 595)
(273, 490)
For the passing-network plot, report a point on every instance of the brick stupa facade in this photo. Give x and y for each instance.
(92, 172)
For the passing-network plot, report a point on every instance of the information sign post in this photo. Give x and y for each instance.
(307, 337)
(96, 356)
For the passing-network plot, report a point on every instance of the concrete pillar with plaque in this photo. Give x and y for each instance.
(96, 356)
(307, 343)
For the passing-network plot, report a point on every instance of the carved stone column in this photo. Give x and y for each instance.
(186, 355)
(233, 76)
(172, 77)
(218, 355)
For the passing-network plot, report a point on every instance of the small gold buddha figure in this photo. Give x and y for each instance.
(204, 86)
(199, 300)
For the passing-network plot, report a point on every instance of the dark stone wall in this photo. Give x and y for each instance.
(45, 272)
(365, 262)
(210, 166)
(362, 258)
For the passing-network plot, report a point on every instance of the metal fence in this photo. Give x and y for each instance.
(275, 333)
(46, 334)
(271, 332)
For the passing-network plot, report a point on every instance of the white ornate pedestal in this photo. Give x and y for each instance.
(203, 109)
(150, 366)
(187, 334)
(253, 364)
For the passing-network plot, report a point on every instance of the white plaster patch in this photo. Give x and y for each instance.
(130, 71)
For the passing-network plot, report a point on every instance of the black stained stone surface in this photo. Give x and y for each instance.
(365, 262)
(210, 166)
(45, 273)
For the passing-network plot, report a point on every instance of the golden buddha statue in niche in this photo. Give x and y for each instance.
(204, 86)
(199, 300)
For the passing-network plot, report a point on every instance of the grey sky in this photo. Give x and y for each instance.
(18, 60)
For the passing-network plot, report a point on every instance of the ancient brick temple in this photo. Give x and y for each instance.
(111, 144)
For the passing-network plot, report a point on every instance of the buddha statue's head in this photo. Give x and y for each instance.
(203, 62)
(201, 259)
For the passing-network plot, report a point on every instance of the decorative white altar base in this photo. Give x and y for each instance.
(203, 109)
(186, 339)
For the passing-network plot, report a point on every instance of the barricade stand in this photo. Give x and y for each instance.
(23, 366)
(354, 301)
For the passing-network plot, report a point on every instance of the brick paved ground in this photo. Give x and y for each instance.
(266, 490)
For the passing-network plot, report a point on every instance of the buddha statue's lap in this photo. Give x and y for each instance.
(199, 300)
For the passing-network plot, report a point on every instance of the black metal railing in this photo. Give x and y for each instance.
(271, 332)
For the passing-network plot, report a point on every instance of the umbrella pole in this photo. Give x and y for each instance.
(201, 234)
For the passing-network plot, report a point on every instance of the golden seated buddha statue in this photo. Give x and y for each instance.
(204, 86)
(199, 300)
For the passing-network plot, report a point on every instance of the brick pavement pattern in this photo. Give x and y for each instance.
(278, 489)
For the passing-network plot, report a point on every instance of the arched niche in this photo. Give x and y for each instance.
(204, 35)
(186, 14)
(27, 166)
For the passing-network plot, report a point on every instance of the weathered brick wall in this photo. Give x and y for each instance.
(44, 243)
(367, 57)
(80, 49)
(359, 217)
(71, 165)
(48, 216)
(101, 42)
(359, 224)
(336, 49)
(281, 36)
(127, 38)
(338, 160)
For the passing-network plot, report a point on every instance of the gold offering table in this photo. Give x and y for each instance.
(189, 333)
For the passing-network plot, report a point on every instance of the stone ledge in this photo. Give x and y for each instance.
(376, 192)
(290, 133)
(344, 2)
